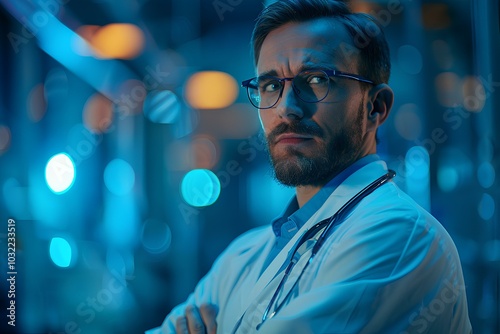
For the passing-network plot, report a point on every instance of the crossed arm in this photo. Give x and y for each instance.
(197, 320)
(381, 276)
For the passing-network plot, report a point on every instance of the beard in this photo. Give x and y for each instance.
(328, 159)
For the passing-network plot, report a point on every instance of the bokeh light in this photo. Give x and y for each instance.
(200, 187)
(60, 173)
(37, 104)
(156, 236)
(486, 175)
(448, 89)
(454, 169)
(474, 94)
(205, 150)
(447, 178)
(417, 163)
(5, 139)
(162, 107)
(116, 40)
(98, 113)
(407, 121)
(486, 207)
(211, 90)
(199, 151)
(363, 7)
(119, 177)
(60, 252)
(436, 15)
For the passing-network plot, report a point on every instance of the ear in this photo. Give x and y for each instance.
(380, 101)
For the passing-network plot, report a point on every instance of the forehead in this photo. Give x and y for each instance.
(323, 42)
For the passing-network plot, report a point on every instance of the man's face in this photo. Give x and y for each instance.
(309, 143)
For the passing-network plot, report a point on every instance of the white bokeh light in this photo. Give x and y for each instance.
(60, 173)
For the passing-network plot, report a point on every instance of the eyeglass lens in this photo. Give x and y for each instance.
(310, 86)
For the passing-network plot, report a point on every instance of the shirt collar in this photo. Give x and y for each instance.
(301, 215)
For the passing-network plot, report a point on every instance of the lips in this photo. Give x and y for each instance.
(292, 138)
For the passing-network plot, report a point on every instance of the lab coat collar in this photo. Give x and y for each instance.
(347, 189)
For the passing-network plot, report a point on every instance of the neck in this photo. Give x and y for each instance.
(305, 193)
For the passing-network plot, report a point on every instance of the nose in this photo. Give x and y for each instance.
(289, 105)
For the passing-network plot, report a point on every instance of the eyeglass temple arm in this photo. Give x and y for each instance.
(349, 76)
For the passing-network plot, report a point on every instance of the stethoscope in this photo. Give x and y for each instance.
(326, 227)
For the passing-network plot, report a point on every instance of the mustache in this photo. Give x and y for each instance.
(294, 127)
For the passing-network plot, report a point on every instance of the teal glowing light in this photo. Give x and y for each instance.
(200, 187)
(417, 163)
(486, 175)
(60, 173)
(60, 252)
(486, 207)
(447, 178)
(119, 177)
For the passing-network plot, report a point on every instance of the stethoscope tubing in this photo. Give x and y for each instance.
(330, 223)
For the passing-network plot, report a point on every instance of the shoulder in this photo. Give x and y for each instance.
(389, 230)
(249, 241)
(389, 208)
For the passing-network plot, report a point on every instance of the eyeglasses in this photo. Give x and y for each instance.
(310, 86)
(317, 236)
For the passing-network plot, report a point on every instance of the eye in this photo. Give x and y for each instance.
(319, 79)
(270, 86)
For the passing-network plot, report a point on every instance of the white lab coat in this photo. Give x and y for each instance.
(390, 267)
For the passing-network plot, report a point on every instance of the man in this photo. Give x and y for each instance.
(384, 265)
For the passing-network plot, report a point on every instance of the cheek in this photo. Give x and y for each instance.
(330, 121)
(265, 120)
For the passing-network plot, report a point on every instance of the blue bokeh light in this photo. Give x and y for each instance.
(156, 236)
(417, 163)
(486, 207)
(119, 177)
(486, 175)
(60, 252)
(60, 173)
(200, 187)
(162, 107)
(447, 178)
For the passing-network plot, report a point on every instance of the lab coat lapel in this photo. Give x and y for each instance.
(352, 185)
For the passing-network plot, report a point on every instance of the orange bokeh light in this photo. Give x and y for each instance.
(37, 104)
(98, 113)
(116, 40)
(211, 90)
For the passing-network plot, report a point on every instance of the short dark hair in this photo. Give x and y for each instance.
(368, 37)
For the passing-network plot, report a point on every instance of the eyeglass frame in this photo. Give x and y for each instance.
(329, 73)
(325, 227)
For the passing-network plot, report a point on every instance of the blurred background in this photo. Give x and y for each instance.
(130, 157)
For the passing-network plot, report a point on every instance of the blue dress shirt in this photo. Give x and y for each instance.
(293, 218)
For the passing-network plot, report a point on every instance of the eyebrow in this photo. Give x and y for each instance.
(272, 73)
(303, 67)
